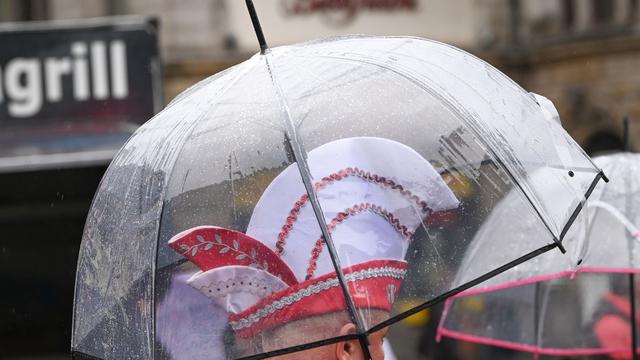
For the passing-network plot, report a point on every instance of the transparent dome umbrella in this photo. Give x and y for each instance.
(574, 305)
(308, 190)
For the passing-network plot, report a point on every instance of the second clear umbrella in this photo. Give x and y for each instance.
(578, 305)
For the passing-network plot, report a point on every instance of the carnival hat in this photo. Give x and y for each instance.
(374, 194)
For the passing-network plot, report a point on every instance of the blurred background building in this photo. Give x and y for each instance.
(581, 54)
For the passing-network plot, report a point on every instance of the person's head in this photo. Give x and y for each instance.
(325, 327)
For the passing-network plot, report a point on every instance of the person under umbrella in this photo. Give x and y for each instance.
(276, 280)
(612, 319)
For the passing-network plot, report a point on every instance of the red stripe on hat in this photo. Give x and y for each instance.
(346, 214)
(210, 247)
(337, 176)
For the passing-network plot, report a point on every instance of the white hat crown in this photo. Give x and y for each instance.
(374, 194)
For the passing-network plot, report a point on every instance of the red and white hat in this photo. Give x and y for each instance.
(374, 193)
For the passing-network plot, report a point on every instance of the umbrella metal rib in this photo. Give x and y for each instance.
(632, 295)
(578, 208)
(463, 287)
(536, 316)
(299, 155)
(297, 151)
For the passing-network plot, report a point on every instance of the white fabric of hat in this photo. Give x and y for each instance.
(385, 176)
(374, 193)
(235, 288)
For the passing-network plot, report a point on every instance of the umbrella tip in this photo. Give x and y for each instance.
(256, 26)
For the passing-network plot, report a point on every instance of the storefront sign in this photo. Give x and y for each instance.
(347, 8)
(74, 93)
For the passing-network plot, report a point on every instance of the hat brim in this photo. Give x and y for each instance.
(372, 285)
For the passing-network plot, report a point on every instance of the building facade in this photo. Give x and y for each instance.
(580, 54)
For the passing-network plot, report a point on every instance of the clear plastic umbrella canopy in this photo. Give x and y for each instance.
(574, 305)
(296, 199)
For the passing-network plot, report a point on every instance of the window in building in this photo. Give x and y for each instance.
(23, 10)
(602, 11)
(633, 11)
(116, 7)
(568, 14)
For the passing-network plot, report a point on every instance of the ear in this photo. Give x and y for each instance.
(349, 349)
